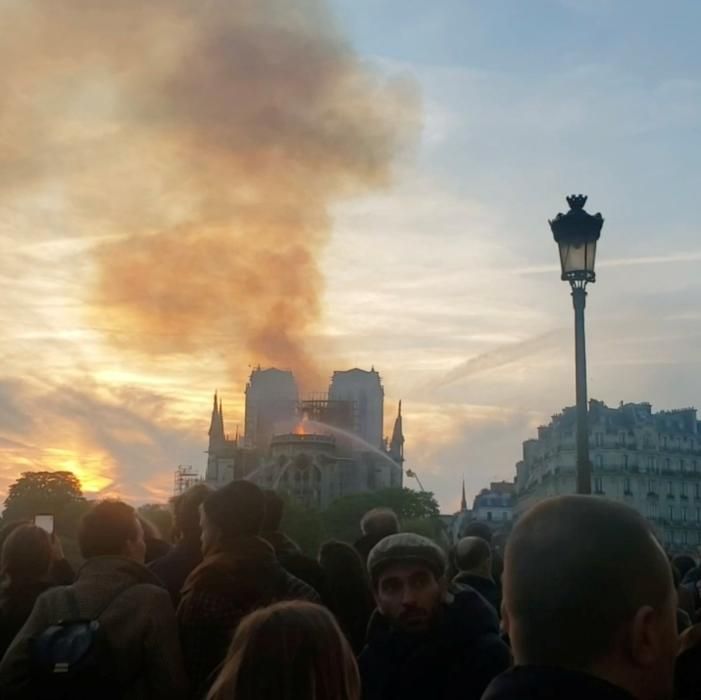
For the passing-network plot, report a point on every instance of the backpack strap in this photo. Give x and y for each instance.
(74, 606)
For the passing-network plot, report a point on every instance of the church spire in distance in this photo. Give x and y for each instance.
(463, 500)
(396, 445)
(216, 426)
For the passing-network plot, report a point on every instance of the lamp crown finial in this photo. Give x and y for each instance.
(577, 201)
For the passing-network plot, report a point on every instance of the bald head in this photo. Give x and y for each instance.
(577, 569)
(474, 555)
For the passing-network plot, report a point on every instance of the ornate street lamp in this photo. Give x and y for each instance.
(576, 234)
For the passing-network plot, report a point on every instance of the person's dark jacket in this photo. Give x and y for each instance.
(550, 683)
(457, 658)
(365, 544)
(138, 622)
(295, 562)
(484, 586)
(173, 568)
(687, 674)
(219, 593)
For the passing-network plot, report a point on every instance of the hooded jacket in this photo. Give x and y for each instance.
(219, 593)
(550, 683)
(456, 658)
(139, 623)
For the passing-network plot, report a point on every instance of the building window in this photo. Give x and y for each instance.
(670, 488)
(626, 485)
(621, 438)
(651, 463)
(651, 486)
(664, 441)
(599, 461)
(667, 464)
(598, 485)
(625, 461)
(684, 513)
(683, 487)
(599, 438)
(685, 537)
(698, 515)
(505, 515)
(489, 515)
(697, 490)
(671, 512)
(681, 465)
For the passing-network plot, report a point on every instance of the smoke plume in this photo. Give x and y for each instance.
(199, 144)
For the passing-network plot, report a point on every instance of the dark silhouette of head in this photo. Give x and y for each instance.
(274, 508)
(478, 529)
(26, 555)
(474, 555)
(235, 510)
(588, 587)
(379, 522)
(186, 512)
(347, 589)
(7, 529)
(684, 563)
(288, 650)
(111, 528)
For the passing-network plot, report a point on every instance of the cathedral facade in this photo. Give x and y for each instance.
(316, 449)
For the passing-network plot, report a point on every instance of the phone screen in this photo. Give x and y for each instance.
(45, 521)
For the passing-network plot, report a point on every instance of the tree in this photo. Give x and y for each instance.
(303, 525)
(342, 518)
(58, 493)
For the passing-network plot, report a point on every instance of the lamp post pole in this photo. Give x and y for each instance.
(579, 299)
(576, 234)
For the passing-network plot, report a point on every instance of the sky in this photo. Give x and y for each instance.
(412, 237)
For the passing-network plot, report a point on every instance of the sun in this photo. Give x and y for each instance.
(89, 469)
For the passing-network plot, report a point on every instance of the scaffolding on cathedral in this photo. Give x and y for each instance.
(183, 478)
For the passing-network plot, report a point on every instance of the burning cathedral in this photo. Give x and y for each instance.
(317, 448)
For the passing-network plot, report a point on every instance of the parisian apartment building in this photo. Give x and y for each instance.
(651, 461)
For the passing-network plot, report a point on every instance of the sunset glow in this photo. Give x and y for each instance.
(375, 193)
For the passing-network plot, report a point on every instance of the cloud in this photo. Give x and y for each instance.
(122, 441)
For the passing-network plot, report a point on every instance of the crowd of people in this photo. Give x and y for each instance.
(584, 604)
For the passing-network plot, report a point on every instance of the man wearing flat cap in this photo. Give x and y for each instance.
(426, 641)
